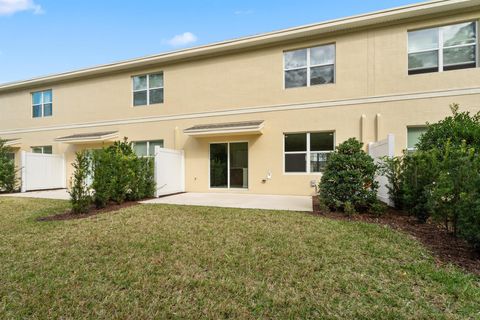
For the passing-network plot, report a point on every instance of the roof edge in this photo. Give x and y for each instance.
(355, 21)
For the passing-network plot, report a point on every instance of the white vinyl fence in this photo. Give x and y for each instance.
(169, 171)
(378, 150)
(42, 171)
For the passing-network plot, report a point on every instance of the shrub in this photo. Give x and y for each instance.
(348, 183)
(142, 184)
(469, 218)
(453, 193)
(8, 172)
(102, 178)
(459, 128)
(119, 175)
(391, 168)
(80, 196)
(419, 172)
(349, 208)
(149, 186)
(441, 179)
(120, 156)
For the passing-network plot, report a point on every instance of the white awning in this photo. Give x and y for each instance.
(12, 142)
(83, 138)
(222, 129)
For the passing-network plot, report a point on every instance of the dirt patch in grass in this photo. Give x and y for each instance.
(445, 247)
(69, 215)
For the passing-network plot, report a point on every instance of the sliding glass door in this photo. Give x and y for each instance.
(229, 165)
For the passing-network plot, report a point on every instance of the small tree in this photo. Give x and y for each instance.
(103, 172)
(349, 179)
(121, 158)
(458, 129)
(8, 172)
(119, 175)
(441, 179)
(80, 195)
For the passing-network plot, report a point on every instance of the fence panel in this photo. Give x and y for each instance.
(377, 150)
(42, 171)
(169, 171)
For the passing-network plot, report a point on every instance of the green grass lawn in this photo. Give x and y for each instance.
(159, 261)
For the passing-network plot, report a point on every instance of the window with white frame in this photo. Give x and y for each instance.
(42, 149)
(443, 48)
(307, 152)
(413, 136)
(42, 104)
(310, 66)
(148, 89)
(146, 148)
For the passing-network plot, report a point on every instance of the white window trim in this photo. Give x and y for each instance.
(42, 148)
(307, 153)
(406, 142)
(148, 145)
(42, 103)
(410, 149)
(440, 48)
(308, 66)
(228, 166)
(147, 75)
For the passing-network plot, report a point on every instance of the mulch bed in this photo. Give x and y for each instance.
(444, 246)
(68, 215)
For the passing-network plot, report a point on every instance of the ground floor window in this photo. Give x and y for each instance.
(307, 152)
(146, 148)
(413, 136)
(42, 149)
(229, 165)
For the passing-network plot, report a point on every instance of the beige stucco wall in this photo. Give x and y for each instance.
(368, 63)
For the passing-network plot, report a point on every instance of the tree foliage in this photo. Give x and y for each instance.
(348, 182)
(8, 172)
(441, 180)
(119, 175)
(80, 191)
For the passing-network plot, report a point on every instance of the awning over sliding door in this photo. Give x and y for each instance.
(223, 129)
(89, 137)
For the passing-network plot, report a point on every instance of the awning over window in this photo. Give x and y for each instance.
(89, 137)
(12, 142)
(230, 128)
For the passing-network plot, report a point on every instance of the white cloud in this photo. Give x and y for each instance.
(243, 12)
(183, 39)
(9, 7)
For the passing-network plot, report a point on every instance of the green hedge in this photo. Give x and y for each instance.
(80, 191)
(441, 180)
(119, 175)
(8, 172)
(348, 182)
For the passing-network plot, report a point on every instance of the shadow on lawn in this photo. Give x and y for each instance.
(445, 247)
(69, 215)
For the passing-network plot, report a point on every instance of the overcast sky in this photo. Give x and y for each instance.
(40, 37)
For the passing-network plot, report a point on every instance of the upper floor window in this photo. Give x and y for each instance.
(148, 89)
(413, 136)
(146, 148)
(42, 149)
(307, 152)
(443, 48)
(310, 66)
(42, 104)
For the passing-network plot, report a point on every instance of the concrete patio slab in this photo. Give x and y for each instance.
(60, 194)
(238, 200)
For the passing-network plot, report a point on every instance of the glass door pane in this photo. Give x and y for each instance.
(219, 165)
(239, 165)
